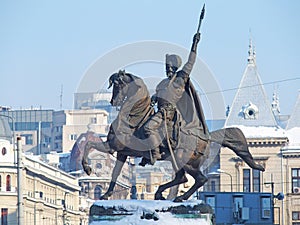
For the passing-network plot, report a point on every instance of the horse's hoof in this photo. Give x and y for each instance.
(104, 197)
(87, 169)
(178, 199)
(159, 197)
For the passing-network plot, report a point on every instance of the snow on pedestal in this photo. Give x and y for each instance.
(134, 212)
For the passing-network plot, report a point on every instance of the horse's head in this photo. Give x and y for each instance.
(120, 82)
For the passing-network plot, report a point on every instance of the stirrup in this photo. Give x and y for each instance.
(144, 162)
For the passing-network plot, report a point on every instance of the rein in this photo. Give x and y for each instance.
(168, 141)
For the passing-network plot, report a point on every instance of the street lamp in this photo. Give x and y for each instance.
(65, 207)
(222, 171)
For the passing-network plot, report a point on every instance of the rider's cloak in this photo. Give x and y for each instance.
(191, 113)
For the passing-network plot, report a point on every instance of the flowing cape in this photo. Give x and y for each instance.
(191, 113)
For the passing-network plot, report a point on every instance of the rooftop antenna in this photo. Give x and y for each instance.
(61, 96)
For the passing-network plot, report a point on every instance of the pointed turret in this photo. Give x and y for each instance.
(251, 106)
(275, 103)
(251, 54)
(294, 120)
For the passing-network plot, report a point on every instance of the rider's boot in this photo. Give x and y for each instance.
(155, 155)
(144, 162)
(108, 148)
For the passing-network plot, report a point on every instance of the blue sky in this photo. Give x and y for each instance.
(47, 44)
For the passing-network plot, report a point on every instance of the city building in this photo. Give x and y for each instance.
(69, 124)
(149, 178)
(95, 185)
(47, 195)
(33, 125)
(97, 100)
(276, 148)
(240, 207)
(290, 169)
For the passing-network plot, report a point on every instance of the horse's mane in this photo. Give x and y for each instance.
(138, 101)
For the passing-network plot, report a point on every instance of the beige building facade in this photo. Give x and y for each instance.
(50, 196)
(95, 185)
(276, 147)
(69, 124)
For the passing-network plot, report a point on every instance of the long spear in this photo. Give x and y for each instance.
(201, 18)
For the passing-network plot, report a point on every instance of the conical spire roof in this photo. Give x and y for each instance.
(251, 106)
(294, 120)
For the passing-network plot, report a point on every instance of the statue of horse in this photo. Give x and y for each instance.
(127, 138)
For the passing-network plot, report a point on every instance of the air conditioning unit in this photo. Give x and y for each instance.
(245, 213)
(266, 213)
(296, 190)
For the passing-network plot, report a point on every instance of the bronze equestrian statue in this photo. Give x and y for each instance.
(176, 132)
(130, 93)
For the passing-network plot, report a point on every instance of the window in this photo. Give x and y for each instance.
(99, 166)
(8, 184)
(58, 137)
(256, 180)
(4, 214)
(97, 192)
(238, 203)
(73, 137)
(296, 215)
(4, 151)
(93, 120)
(295, 180)
(28, 139)
(246, 180)
(211, 200)
(265, 207)
(213, 185)
(86, 189)
(58, 129)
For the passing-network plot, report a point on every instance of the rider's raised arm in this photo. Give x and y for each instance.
(187, 68)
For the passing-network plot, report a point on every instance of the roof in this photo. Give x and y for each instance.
(5, 132)
(251, 106)
(294, 120)
(294, 137)
(263, 132)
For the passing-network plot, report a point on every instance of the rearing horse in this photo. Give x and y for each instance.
(127, 138)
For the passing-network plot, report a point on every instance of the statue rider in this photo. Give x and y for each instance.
(169, 93)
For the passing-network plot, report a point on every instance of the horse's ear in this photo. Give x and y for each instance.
(112, 79)
(121, 74)
(110, 84)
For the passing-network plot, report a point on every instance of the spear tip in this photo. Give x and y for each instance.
(203, 11)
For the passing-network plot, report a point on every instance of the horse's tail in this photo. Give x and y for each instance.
(235, 139)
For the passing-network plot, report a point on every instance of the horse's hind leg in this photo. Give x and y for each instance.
(180, 178)
(200, 180)
(116, 172)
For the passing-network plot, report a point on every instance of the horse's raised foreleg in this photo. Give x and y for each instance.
(99, 146)
(180, 178)
(200, 180)
(116, 172)
(84, 162)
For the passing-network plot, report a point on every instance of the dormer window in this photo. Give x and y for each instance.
(250, 111)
